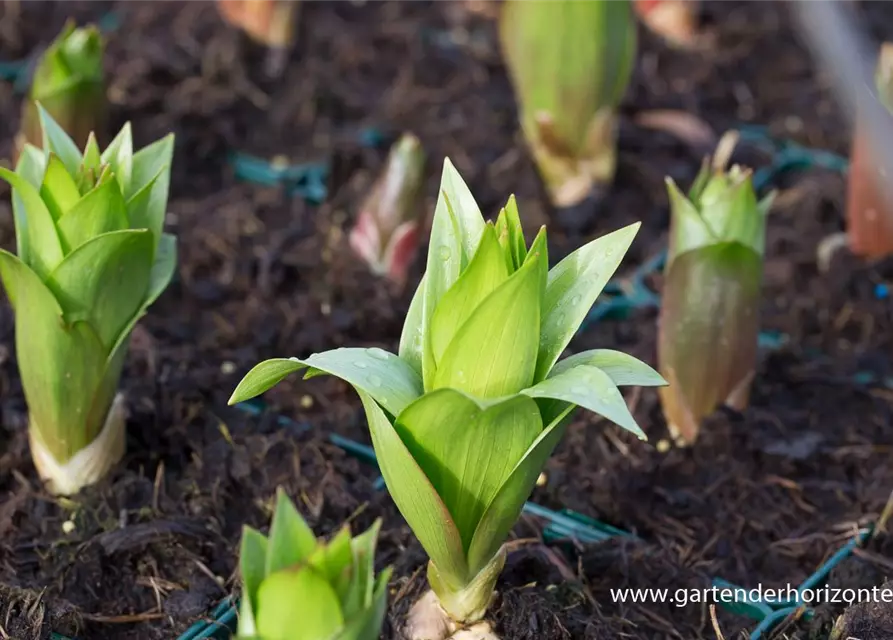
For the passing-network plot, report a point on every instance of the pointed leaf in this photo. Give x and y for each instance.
(363, 575)
(152, 162)
(415, 497)
(100, 211)
(138, 204)
(574, 284)
(516, 233)
(31, 167)
(486, 271)
(502, 234)
(252, 563)
(622, 368)
(334, 561)
(302, 602)
(494, 353)
(291, 541)
(366, 625)
(119, 154)
(455, 233)
(505, 508)
(104, 281)
(57, 141)
(466, 452)
(163, 268)
(384, 376)
(44, 249)
(540, 248)
(61, 367)
(411, 345)
(247, 626)
(59, 190)
(590, 388)
(688, 230)
(92, 155)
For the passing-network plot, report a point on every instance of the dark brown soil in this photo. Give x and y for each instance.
(764, 497)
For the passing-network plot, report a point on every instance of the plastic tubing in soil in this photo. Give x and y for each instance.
(771, 613)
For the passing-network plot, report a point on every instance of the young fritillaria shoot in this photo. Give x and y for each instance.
(91, 258)
(386, 233)
(869, 214)
(295, 587)
(464, 418)
(709, 322)
(570, 63)
(269, 22)
(676, 21)
(68, 83)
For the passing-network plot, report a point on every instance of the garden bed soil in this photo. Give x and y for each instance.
(764, 497)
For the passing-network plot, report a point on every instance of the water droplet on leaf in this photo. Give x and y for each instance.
(359, 364)
(375, 381)
(378, 354)
(444, 253)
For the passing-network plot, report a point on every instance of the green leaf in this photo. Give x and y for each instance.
(494, 353)
(247, 626)
(502, 234)
(44, 247)
(119, 155)
(252, 563)
(415, 496)
(61, 366)
(291, 541)
(59, 190)
(104, 281)
(31, 168)
(505, 507)
(622, 368)
(590, 388)
(55, 140)
(163, 268)
(384, 376)
(366, 625)
(92, 155)
(688, 231)
(486, 271)
(574, 284)
(455, 231)
(516, 233)
(362, 584)
(297, 604)
(139, 203)
(540, 248)
(411, 338)
(102, 210)
(466, 452)
(152, 163)
(334, 561)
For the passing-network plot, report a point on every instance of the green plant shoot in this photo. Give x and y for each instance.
(570, 63)
(295, 587)
(92, 257)
(465, 416)
(709, 320)
(68, 83)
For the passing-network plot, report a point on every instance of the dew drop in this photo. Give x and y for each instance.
(375, 381)
(359, 364)
(576, 300)
(461, 376)
(378, 354)
(578, 390)
(444, 253)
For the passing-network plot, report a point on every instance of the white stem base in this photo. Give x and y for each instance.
(90, 464)
(428, 621)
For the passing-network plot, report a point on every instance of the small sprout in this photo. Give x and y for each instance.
(268, 22)
(68, 83)
(295, 587)
(869, 212)
(465, 416)
(709, 321)
(570, 63)
(386, 233)
(676, 21)
(92, 256)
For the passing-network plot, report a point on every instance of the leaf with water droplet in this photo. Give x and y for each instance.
(385, 377)
(599, 395)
